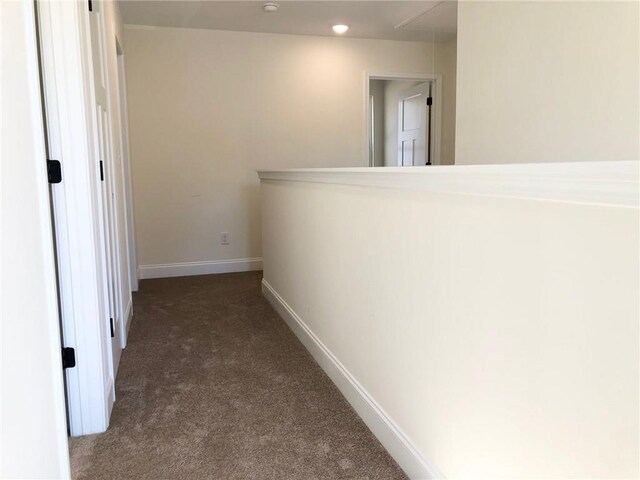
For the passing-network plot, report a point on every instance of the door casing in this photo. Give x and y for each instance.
(77, 204)
(436, 127)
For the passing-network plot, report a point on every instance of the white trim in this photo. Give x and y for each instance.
(68, 92)
(126, 169)
(609, 183)
(390, 435)
(43, 247)
(128, 316)
(200, 268)
(436, 80)
(110, 399)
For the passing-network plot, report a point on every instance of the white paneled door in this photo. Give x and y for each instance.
(79, 138)
(113, 295)
(414, 126)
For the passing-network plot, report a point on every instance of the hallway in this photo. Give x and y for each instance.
(214, 385)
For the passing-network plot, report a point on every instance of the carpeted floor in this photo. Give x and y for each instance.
(213, 385)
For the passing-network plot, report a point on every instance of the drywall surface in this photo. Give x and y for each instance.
(208, 108)
(33, 442)
(500, 334)
(547, 82)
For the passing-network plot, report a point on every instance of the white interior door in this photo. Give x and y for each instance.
(79, 214)
(113, 296)
(413, 125)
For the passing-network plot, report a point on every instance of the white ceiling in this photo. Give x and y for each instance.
(389, 20)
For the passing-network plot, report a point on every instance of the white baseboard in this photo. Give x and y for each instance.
(111, 400)
(135, 281)
(199, 268)
(127, 318)
(383, 427)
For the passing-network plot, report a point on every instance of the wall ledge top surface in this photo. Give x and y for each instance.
(613, 183)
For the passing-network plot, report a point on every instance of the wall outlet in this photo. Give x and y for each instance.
(224, 238)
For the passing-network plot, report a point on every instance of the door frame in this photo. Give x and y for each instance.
(34, 424)
(68, 94)
(436, 127)
(128, 188)
(108, 184)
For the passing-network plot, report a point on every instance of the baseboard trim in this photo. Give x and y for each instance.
(199, 268)
(383, 427)
(111, 400)
(128, 317)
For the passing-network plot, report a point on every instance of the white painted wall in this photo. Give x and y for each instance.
(208, 108)
(548, 81)
(33, 441)
(508, 343)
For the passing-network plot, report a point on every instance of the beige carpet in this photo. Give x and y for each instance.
(213, 385)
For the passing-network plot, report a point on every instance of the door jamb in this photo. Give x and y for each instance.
(56, 459)
(126, 167)
(436, 128)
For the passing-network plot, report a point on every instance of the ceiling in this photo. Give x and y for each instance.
(389, 20)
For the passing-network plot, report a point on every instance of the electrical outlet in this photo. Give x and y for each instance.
(224, 238)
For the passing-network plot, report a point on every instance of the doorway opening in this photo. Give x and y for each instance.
(403, 120)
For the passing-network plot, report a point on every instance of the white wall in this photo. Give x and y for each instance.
(547, 81)
(33, 441)
(208, 108)
(500, 334)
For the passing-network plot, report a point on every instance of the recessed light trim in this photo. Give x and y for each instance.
(340, 28)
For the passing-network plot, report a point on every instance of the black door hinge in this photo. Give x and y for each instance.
(90, 5)
(429, 101)
(101, 171)
(113, 334)
(54, 171)
(68, 357)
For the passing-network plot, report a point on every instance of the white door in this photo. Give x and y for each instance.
(82, 243)
(414, 125)
(113, 296)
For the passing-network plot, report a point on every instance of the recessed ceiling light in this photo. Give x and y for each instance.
(270, 7)
(340, 29)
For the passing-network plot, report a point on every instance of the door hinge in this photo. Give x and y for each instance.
(54, 171)
(68, 357)
(90, 5)
(101, 171)
(429, 101)
(113, 334)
